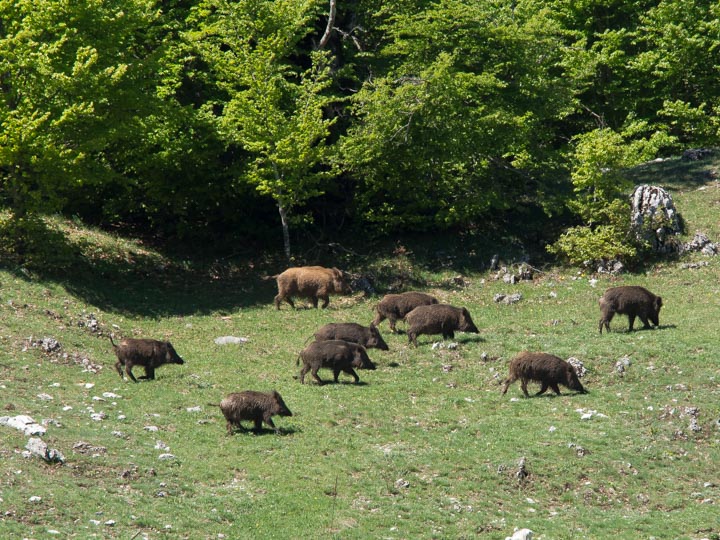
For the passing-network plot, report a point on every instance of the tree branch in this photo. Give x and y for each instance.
(328, 29)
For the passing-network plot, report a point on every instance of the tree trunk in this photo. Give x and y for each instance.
(285, 230)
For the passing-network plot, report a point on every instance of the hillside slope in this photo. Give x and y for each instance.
(425, 447)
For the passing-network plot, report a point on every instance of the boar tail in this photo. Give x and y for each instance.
(213, 404)
(268, 278)
(112, 342)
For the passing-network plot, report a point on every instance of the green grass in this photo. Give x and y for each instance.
(425, 447)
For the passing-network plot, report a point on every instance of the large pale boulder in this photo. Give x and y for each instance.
(654, 217)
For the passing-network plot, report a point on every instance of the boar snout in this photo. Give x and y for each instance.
(172, 357)
(282, 409)
(467, 324)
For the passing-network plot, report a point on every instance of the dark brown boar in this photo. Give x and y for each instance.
(548, 370)
(334, 354)
(257, 407)
(438, 319)
(632, 301)
(310, 282)
(148, 353)
(367, 336)
(394, 307)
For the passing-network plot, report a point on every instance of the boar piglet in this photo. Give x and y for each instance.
(394, 307)
(310, 282)
(632, 301)
(334, 354)
(256, 407)
(438, 319)
(547, 369)
(148, 353)
(367, 336)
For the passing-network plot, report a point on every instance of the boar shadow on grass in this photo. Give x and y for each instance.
(281, 431)
(340, 382)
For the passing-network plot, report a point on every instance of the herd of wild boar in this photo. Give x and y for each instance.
(342, 347)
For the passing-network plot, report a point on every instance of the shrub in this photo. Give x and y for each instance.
(583, 245)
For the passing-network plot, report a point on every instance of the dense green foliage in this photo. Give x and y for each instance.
(209, 119)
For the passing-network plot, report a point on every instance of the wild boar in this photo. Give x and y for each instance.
(257, 407)
(547, 369)
(367, 336)
(334, 354)
(148, 353)
(438, 319)
(310, 282)
(632, 301)
(394, 307)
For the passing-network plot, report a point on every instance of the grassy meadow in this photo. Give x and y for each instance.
(425, 447)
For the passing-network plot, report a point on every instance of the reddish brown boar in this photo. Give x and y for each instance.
(148, 353)
(547, 369)
(367, 336)
(310, 282)
(632, 301)
(257, 407)
(334, 354)
(394, 307)
(438, 319)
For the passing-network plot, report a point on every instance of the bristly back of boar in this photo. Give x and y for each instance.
(547, 369)
(394, 307)
(314, 282)
(148, 353)
(257, 407)
(630, 300)
(367, 336)
(439, 319)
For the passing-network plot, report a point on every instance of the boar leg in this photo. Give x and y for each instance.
(555, 388)
(350, 371)
(378, 319)
(392, 321)
(279, 299)
(128, 370)
(523, 385)
(508, 382)
(118, 367)
(314, 373)
(270, 423)
(303, 371)
(326, 300)
(644, 320)
(631, 318)
(412, 337)
(149, 373)
(605, 321)
(543, 388)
